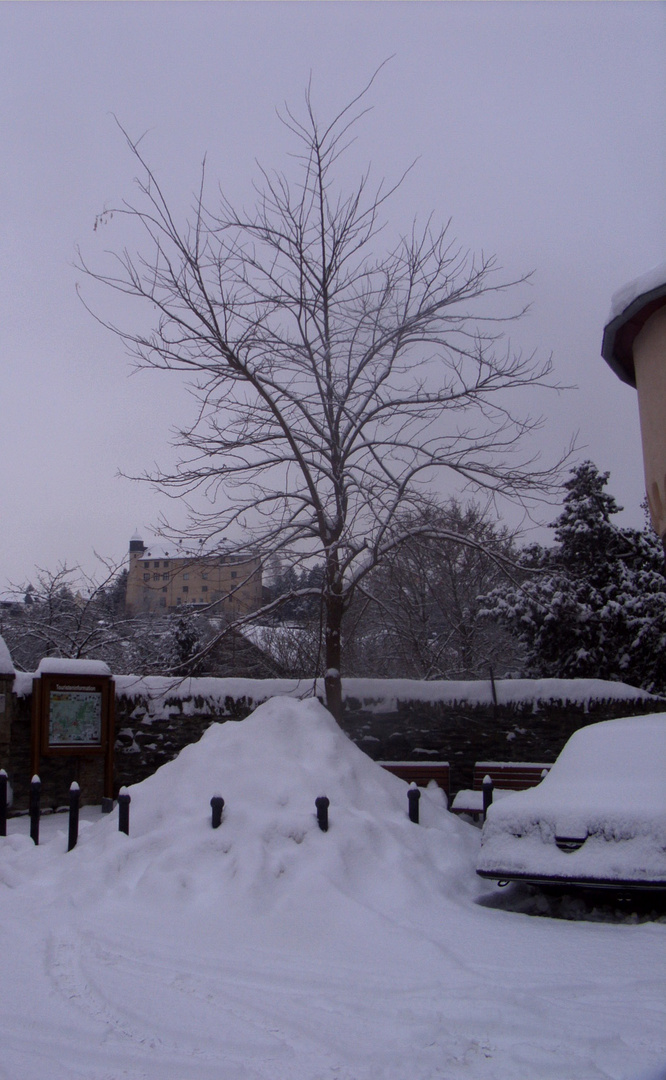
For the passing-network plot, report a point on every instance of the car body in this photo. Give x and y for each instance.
(597, 819)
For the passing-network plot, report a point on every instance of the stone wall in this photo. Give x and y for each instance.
(152, 728)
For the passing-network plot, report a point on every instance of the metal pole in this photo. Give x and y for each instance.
(322, 804)
(35, 795)
(487, 789)
(413, 796)
(124, 800)
(217, 803)
(3, 802)
(74, 795)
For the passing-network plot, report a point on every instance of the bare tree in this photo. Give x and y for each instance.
(66, 613)
(417, 615)
(333, 383)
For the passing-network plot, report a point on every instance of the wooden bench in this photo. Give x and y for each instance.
(420, 772)
(507, 777)
(516, 775)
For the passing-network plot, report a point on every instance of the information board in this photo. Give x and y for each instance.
(75, 716)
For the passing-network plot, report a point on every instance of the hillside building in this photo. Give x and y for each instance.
(164, 578)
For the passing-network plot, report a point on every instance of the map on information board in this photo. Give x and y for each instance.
(75, 718)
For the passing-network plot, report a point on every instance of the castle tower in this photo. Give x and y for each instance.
(132, 594)
(136, 543)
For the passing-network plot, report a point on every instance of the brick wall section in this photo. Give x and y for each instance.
(458, 733)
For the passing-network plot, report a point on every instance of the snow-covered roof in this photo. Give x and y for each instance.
(631, 307)
(55, 665)
(165, 551)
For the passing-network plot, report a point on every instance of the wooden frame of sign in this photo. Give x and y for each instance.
(74, 716)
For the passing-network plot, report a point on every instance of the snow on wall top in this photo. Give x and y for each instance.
(375, 695)
(54, 665)
(6, 664)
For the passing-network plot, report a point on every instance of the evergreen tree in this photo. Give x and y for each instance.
(594, 605)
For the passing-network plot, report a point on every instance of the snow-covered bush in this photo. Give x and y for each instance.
(594, 605)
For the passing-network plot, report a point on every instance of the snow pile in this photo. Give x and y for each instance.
(269, 850)
(608, 789)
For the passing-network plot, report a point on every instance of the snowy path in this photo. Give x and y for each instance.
(137, 994)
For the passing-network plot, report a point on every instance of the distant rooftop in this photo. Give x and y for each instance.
(172, 551)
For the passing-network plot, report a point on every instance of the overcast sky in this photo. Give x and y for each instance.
(539, 129)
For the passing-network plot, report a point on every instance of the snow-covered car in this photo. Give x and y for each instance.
(597, 819)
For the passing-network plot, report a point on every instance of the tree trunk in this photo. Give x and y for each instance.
(334, 611)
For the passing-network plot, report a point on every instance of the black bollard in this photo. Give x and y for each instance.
(487, 789)
(217, 803)
(413, 796)
(322, 804)
(124, 800)
(35, 795)
(3, 802)
(74, 796)
(107, 805)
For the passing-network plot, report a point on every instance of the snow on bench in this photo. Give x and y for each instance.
(420, 772)
(506, 777)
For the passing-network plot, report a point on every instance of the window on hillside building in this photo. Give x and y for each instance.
(234, 574)
(146, 577)
(165, 577)
(186, 577)
(204, 588)
(186, 588)
(156, 577)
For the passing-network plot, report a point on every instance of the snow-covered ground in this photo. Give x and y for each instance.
(269, 950)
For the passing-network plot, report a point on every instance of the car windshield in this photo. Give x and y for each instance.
(623, 758)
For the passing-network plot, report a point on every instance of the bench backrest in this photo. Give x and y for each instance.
(516, 775)
(420, 772)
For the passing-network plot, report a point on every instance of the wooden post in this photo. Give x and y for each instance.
(494, 692)
(109, 753)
